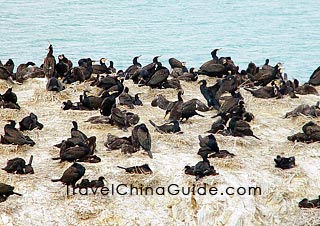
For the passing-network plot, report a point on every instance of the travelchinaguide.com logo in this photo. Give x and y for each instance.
(172, 189)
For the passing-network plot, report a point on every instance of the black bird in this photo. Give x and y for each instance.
(222, 154)
(97, 183)
(91, 102)
(305, 89)
(213, 67)
(127, 149)
(119, 118)
(5, 74)
(85, 183)
(63, 66)
(285, 163)
(5, 191)
(108, 103)
(111, 68)
(14, 136)
(77, 136)
(53, 84)
(16, 165)
(71, 154)
(305, 109)
(188, 110)
(151, 68)
(84, 62)
(311, 128)
(202, 168)
(173, 83)
(315, 77)
(22, 70)
(266, 65)
(30, 122)
(9, 65)
(219, 125)
(72, 174)
(178, 67)
(29, 169)
(115, 142)
(305, 203)
(208, 144)
(126, 99)
(209, 94)
(192, 75)
(265, 76)
(230, 105)
(174, 63)
(136, 100)
(252, 69)
(162, 102)
(239, 128)
(134, 68)
(80, 73)
(265, 92)
(49, 63)
(110, 83)
(161, 74)
(100, 68)
(171, 127)
(143, 169)
(10, 96)
(141, 137)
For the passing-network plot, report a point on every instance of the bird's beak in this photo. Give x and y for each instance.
(150, 154)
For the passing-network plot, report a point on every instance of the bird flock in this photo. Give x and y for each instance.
(224, 99)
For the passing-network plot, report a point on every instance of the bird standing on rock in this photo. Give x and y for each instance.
(49, 63)
(141, 138)
(72, 174)
(209, 94)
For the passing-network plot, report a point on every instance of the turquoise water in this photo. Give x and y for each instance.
(283, 31)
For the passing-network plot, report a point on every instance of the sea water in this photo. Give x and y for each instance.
(284, 31)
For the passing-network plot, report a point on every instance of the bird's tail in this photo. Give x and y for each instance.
(256, 137)
(30, 160)
(56, 158)
(199, 114)
(17, 193)
(122, 167)
(152, 123)
(55, 180)
(149, 153)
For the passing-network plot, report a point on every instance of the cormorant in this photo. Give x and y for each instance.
(170, 127)
(284, 163)
(49, 63)
(143, 169)
(315, 77)
(14, 136)
(141, 137)
(30, 122)
(72, 174)
(209, 94)
(5, 191)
